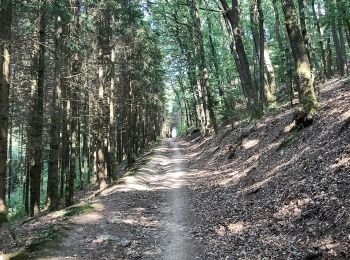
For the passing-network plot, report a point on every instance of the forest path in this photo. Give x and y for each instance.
(146, 216)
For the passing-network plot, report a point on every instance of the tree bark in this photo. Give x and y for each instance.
(36, 120)
(204, 82)
(215, 61)
(9, 162)
(53, 174)
(103, 42)
(73, 93)
(5, 41)
(307, 96)
(304, 33)
(338, 51)
(251, 91)
(320, 39)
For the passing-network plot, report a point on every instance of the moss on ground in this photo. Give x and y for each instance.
(79, 210)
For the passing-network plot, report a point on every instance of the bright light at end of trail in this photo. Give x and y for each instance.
(174, 132)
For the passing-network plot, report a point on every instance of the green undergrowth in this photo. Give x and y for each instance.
(79, 210)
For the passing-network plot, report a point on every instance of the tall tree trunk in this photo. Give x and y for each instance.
(214, 57)
(287, 57)
(307, 94)
(343, 48)
(204, 82)
(270, 78)
(5, 41)
(265, 90)
(74, 147)
(255, 33)
(65, 134)
(251, 91)
(329, 56)
(111, 123)
(79, 154)
(319, 35)
(36, 119)
(266, 81)
(338, 51)
(9, 162)
(103, 42)
(53, 174)
(73, 93)
(304, 33)
(85, 141)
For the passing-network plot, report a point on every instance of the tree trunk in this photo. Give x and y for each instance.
(265, 90)
(216, 64)
(73, 93)
(307, 96)
(36, 119)
(270, 76)
(319, 35)
(103, 42)
(65, 134)
(338, 51)
(302, 17)
(5, 41)
(204, 82)
(250, 90)
(343, 49)
(111, 134)
(9, 162)
(53, 174)
(329, 57)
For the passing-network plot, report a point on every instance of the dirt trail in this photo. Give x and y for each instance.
(175, 226)
(145, 216)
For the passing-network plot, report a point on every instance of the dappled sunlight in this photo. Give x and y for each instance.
(232, 228)
(139, 220)
(253, 159)
(256, 186)
(163, 172)
(340, 163)
(249, 143)
(236, 176)
(330, 245)
(289, 127)
(345, 116)
(91, 218)
(293, 209)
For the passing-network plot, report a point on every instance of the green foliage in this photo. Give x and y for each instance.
(79, 210)
(181, 128)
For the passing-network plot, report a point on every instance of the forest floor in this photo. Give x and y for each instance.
(263, 190)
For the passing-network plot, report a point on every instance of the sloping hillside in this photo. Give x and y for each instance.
(268, 190)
